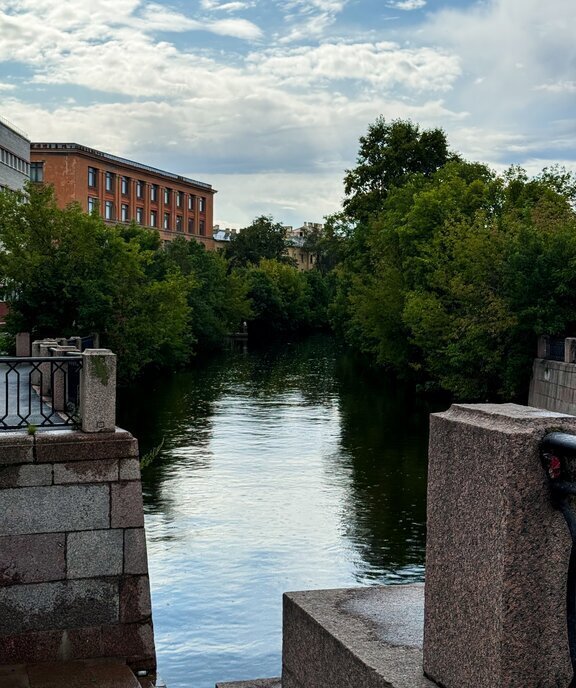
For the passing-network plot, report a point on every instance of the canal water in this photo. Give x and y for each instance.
(289, 467)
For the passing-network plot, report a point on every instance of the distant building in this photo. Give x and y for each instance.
(121, 190)
(297, 244)
(14, 156)
(222, 235)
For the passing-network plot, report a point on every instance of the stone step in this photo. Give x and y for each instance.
(354, 638)
(79, 674)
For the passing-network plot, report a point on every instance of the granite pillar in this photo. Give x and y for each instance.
(497, 552)
(98, 391)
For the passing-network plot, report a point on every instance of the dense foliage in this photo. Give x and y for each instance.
(457, 271)
(66, 273)
(436, 267)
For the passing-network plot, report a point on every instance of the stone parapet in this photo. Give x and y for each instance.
(497, 552)
(73, 567)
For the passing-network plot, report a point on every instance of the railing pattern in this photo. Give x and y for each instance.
(556, 351)
(40, 392)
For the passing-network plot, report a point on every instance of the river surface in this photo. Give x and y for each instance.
(282, 468)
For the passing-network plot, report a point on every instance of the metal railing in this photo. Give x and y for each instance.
(556, 350)
(39, 391)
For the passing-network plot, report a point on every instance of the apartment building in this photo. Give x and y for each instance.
(122, 190)
(14, 156)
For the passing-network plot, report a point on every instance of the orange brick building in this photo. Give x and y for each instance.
(122, 190)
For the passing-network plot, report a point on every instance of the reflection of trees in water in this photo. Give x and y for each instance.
(178, 408)
(384, 435)
(383, 443)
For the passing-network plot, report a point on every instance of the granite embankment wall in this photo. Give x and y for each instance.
(553, 383)
(73, 567)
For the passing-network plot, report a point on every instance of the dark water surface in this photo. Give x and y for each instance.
(285, 468)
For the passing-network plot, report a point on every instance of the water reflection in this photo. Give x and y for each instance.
(282, 469)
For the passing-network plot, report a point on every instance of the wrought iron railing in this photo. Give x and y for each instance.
(556, 350)
(40, 392)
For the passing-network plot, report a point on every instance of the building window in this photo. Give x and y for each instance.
(139, 189)
(125, 186)
(92, 204)
(140, 216)
(92, 177)
(179, 199)
(37, 172)
(190, 225)
(190, 202)
(125, 213)
(166, 196)
(153, 218)
(202, 228)
(201, 204)
(109, 185)
(178, 223)
(154, 192)
(166, 220)
(109, 210)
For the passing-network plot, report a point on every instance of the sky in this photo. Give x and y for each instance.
(266, 99)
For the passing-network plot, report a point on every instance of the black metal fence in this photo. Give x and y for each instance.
(556, 349)
(41, 392)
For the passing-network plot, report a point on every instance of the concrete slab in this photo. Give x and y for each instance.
(369, 637)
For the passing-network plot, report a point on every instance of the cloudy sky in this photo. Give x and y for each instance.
(266, 99)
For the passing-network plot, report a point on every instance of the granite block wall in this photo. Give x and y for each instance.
(553, 386)
(73, 566)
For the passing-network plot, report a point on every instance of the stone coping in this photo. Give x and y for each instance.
(347, 638)
(255, 683)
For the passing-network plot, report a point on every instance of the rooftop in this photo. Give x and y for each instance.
(114, 158)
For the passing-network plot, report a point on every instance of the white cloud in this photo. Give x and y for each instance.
(225, 6)
(558, 87)
(406, 5)
(382, 65)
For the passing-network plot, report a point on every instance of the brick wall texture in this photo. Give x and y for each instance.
(73, 566)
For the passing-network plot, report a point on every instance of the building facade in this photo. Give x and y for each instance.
(121, 190)
(14, 157)
(298, 246)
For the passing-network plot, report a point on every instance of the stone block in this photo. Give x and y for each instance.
(30, 647)
(27, 475)
(94, 553)
(23, 344)
(497, 552)
(14, 676)
(130, 469)
(135, 558)
(60, 446)
(32, 558)
(16, 447)
(356, 638)
(96, 471)
(54, 509)
(127, 510)
(81, 674)
(59, 605)
(135, 604)
(134, 642)
(98, 391)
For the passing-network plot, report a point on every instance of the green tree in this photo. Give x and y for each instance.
(218, 299)
(67, 272)
(389, 154)
(264, 238)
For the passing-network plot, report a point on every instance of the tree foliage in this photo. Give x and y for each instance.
(389, 154)
(264, 238)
